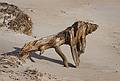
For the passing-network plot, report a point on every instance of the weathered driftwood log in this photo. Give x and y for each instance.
(15, 19)
(74, 36)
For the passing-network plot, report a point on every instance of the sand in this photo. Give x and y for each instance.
(101, 60)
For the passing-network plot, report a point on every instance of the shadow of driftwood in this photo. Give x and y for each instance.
(13, 53)
(35, 55)
(47, 58)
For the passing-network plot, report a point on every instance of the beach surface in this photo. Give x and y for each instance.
(101, 60)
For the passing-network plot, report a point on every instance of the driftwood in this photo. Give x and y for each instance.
(15, 19)
(74, 36)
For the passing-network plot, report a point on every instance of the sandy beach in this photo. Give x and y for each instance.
(101, 60)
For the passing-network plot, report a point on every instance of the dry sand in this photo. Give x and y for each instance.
(101, 61)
